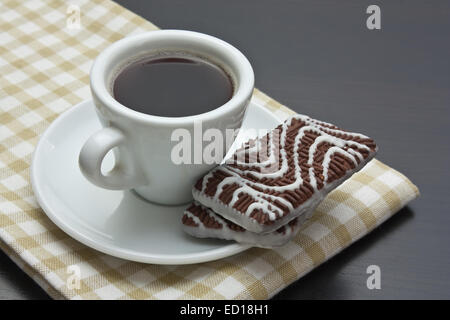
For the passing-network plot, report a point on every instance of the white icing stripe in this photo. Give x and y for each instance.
(312, 178)
(206, 178)
(354, 153)
(318, 141)
(259, 197)
(322, 125)
(209, 213)
(194, 217)
(272, 159)
(327, 160)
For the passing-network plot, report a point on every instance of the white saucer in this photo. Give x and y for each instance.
(118, 223)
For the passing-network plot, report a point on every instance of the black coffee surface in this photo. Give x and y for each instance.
(172, 86)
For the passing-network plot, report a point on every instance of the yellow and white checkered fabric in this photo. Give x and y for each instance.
(44, 66)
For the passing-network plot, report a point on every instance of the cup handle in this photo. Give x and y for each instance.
(122, 176)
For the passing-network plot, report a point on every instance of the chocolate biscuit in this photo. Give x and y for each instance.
(274, 179)
(202, 222)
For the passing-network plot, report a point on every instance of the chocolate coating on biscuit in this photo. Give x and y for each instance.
(268, 178)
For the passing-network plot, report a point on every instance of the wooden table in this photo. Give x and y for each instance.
(319, 58)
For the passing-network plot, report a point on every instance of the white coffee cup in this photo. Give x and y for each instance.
(141, 143)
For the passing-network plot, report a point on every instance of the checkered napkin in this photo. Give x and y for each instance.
(45, 56)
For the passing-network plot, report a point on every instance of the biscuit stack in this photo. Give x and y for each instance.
(271, 185)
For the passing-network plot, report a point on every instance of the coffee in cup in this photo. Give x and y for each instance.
(172, 84)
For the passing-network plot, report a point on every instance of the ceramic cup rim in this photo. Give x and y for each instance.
(195, 42)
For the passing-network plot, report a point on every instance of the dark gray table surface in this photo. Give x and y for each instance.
(318, 58)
